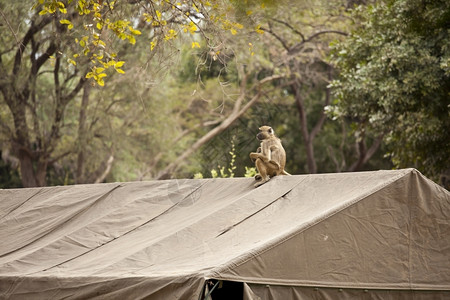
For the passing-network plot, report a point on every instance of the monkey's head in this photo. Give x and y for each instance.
(265, 132)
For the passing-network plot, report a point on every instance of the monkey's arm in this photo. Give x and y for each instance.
(254, 156)
(273, 164)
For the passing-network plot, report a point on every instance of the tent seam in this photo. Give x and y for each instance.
(135, 228)
(56, 227)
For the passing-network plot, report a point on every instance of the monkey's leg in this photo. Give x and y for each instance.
(262, 169)
(273, 165)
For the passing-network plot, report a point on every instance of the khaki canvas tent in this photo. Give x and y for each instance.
(368, 235)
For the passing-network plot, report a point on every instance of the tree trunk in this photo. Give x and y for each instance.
(307, 138)
(26, 169)
(82, 139)
(365, 154)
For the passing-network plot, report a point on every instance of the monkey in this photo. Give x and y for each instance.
(270, 157)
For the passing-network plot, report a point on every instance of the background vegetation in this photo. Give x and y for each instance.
(100, 91)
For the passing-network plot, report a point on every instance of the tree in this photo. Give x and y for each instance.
(62, 46)
(23, 56)
(395, 80)
(298, 42)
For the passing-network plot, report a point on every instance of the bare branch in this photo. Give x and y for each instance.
(363, 154)
(105, 173)
(34, 28)
(299, 45)
(291, 28)
(10, 27)
(282, 41)
(227, 122)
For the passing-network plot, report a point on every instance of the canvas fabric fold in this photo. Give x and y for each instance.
(343, 233)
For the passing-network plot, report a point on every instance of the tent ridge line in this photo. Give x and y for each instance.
(261, 250)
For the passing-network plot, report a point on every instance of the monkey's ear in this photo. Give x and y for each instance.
(271, 131)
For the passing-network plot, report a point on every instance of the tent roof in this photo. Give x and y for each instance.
(384, 229)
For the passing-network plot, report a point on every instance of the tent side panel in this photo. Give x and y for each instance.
(430, 232)
(366, 245)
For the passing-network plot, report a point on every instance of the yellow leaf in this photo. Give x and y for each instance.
(249, 12)
(100, 82)
(195, 45)
(131, 39)
(170, 35)
(119, 64)
(89, 75)
(120, 71)
(152, 45)
(233, 31)
(99, 70)
(134, 31)
(259, 30)
(72, 62)
(192, 27)
(99, 26)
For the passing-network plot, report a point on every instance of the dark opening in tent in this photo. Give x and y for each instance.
(367, 235)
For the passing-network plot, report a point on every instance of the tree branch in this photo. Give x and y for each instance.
(237, 113)
(364, 154)
(298, 46)
(323, 116)
(27, 38)
(291, 28)
(10, 27)
(282, 41)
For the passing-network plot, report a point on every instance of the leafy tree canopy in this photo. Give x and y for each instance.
(104, 22)
(395, 78)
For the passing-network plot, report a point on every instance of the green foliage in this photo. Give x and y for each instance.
(250, 172)
(395, 80)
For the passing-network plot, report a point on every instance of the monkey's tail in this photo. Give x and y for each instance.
(285, 173)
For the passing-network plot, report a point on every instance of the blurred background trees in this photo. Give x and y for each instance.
(95, 91)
